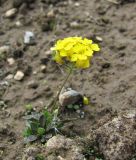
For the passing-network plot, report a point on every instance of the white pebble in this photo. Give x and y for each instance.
(4, 49)
(18, 24)
(19, 76)
(35, 72)
(11, 13)
(10, 61)
(99, 38)
(10, 76)
(74, 25)
(50, 14)
(29, 38)
(43, 68)
(77, 4)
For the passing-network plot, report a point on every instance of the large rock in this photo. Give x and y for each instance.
(30, 153)
(117, 138)
(70, 97)
(64, 148)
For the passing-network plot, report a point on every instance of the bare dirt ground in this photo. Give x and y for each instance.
(110, 82)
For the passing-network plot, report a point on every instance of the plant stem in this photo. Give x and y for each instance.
(65, 81)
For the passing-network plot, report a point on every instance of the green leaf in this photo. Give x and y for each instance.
(30, 138)
(42, 121)
(76, 107)
(70, 106)
(48, 117)
(40, 131)
(34, 126)
(29, 107)
(39, 157)
(27, 132)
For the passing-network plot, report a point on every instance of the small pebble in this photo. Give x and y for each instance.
(51, 14)
(60, 158)
(19, 76)
(74, 25)
(78, 111)
(29, 38)
(48, 53)
(43, 68)
(77, 4)
(99, 39)
(10, 76)
(82, 115)
(11, 13)
(32, 84)
(18, 24)
(35, 72)
(10, 61)
(4, 49)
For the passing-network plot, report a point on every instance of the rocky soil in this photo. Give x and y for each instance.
(29, 76)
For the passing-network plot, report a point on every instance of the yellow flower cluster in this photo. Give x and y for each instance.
(75, 50)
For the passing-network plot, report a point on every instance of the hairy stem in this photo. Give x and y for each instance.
(63, 84)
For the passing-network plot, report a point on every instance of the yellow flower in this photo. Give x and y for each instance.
(82, 63)
(85, 100)
(58, 58)
(76, 50)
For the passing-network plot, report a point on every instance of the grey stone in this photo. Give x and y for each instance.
(32, 84)
(60, 144)
(69, 97)
(117, 138)
(10, 76)
(30, 153)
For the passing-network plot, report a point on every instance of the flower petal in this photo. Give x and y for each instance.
(95, 47)
(63, 53)
(58, 59)
(89, 53)
(82, 57)
(74, 57)
(82, 64)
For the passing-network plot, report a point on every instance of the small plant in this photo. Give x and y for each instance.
(39, 157)
(71, 53)
(134, 157)
(2, 56)
(40, 126)
(93, 152)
